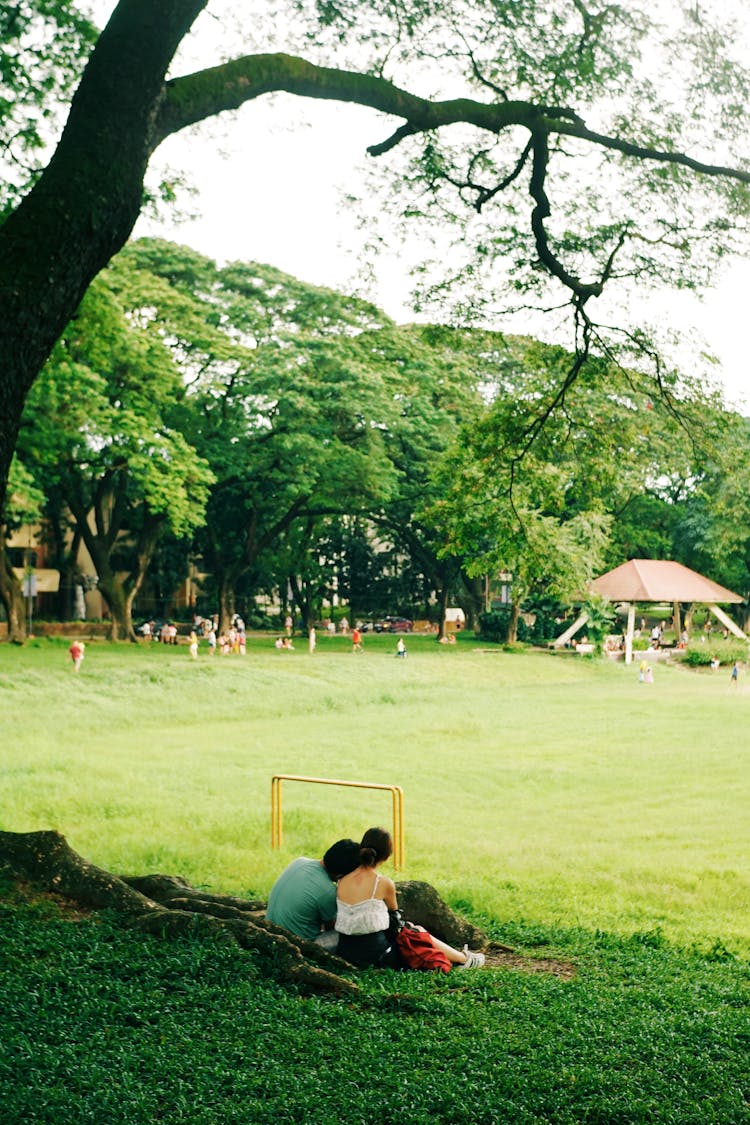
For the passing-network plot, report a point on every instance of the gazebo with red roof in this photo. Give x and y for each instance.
(658, 581)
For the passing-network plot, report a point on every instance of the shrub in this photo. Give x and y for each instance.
(493, 626)
(551, 618)
(700, 656)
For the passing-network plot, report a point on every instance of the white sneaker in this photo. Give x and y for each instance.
(474, 959)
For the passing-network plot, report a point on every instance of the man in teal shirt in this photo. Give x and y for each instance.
(303, 898)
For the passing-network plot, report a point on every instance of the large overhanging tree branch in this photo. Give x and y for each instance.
(84, 205)
(207, 93)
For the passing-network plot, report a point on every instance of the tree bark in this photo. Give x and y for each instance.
(11, 596)
(474, 601)
(46, 860)
(512, 634)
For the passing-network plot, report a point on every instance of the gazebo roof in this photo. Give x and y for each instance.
(657, 580)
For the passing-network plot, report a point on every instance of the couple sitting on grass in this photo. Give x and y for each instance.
(343, 903)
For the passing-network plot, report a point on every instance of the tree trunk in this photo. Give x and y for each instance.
(11, 596)
(688, 617)
(66, 606)
(512, 634)
(148, 538)
(301, 601)
(474, 601)
(442, 608)
(119, 604)
(227, 603)
(83, 208)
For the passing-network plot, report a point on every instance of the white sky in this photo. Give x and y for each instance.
(276, 196)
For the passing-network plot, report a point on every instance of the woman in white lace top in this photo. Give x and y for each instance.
(363, 899)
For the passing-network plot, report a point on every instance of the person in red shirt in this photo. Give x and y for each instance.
(76, 651)
(356, 640)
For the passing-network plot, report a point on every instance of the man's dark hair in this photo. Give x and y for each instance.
(341, 858)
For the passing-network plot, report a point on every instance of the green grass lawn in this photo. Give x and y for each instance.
(570, 810)
(538, 788)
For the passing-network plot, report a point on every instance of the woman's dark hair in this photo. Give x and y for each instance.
(376, 846)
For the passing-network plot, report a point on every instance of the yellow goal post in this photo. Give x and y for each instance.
(397, 800)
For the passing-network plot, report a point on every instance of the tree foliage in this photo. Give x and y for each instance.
(43, 47)
(99, 432)
(540, 501)
(285, 399)
(529, 78)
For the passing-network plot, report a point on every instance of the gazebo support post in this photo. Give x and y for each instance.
(629, 634)
(727, 622)
(677, 622)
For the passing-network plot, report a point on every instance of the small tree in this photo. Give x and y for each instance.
(600, 617)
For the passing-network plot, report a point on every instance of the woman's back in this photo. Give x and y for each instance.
(360, 905)
(361, 884)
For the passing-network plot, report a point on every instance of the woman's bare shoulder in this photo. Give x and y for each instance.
(386, 883)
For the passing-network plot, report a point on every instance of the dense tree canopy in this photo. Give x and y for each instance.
(504, 99)
(316, 448)
(283, 396)
(542, 503)
(100, 433)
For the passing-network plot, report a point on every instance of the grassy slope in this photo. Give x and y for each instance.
(549, 790)
(537, 788)
(99, 1025)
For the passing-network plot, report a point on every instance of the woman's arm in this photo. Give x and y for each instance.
(389, 893)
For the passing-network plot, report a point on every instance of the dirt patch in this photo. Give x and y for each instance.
(498, 957)
(50, 903)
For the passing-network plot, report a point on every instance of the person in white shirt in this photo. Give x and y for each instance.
(364, 899)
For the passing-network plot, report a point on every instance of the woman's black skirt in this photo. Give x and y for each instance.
(369, 949)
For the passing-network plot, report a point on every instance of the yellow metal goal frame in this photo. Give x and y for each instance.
(397, 798)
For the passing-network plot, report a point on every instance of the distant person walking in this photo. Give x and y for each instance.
(735, 675)
(356, 640)
(401, 649)
(312, 640)
(77, 651)
(193, 643)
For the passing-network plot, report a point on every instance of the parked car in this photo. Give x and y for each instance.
(387, 625)
(397, 625)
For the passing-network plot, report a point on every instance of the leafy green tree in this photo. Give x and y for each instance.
(43, 48)
(98, 431)
(601, 618)
(441, 373)
(529, 75)
(540, 500)
(286, 398)
(711, 530)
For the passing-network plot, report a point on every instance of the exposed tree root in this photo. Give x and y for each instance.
(167, 906)
(46, 859)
